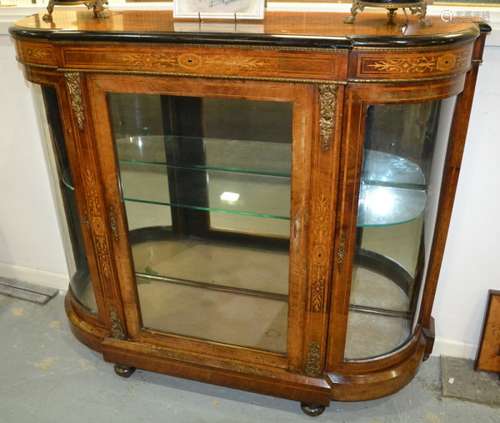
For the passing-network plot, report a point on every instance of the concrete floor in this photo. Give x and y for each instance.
(46, 376)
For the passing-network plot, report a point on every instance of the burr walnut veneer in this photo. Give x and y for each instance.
(257, 205)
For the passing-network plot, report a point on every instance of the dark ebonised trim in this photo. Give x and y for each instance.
(249, 39)
(484, 27)
(182, 38)
(414, 41)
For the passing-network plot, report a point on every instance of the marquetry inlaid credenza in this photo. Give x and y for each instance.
(258, 205)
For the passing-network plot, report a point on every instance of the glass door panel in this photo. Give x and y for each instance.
(404, 153)
(206, 188)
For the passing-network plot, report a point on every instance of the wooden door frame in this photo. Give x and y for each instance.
(303, 96)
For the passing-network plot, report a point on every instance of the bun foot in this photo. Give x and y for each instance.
(312, 410)
(124, 371)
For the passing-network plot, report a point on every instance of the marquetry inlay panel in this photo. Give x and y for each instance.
(37, 53)
(320, 253)
(209, 60)
(411, 65)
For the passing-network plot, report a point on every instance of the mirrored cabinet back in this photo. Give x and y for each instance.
(258, 205)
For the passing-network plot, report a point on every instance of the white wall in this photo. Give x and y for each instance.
(472, 257)
(31, 247)
(30, 241)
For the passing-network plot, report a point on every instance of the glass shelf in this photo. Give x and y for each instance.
(392, 189)
(260, 157)
(209, 209)
(230, 155)
(210, 190)
(386, 206)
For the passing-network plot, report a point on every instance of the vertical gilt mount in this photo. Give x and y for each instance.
(312, 365)
(73, 85)
(117, 330)
(327, 109)
(341, 248)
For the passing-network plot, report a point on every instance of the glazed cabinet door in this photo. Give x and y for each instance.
(394, 158)
(208, 186)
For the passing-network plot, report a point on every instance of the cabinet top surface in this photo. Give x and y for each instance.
(305, 29)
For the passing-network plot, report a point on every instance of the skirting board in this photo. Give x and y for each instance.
(39, 277)
(451, 348)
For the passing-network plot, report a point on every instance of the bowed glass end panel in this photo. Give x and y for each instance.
(402, 165)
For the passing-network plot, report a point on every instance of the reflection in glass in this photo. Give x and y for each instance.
(206, 188)
(405, 148)
(392, 190)
(80, 282)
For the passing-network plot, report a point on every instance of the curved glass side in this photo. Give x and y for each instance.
(80, 282)
(404, 155)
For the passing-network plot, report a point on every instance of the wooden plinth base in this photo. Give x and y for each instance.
(276, 382)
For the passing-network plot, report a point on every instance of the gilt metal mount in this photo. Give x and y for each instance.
(97, 6)
(418, 8)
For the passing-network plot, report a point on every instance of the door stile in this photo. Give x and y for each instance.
(303, 132)
(351, 153)
(115, 208)
(322, 216)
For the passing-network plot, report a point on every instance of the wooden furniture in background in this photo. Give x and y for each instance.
(488, 357)
(263, 206)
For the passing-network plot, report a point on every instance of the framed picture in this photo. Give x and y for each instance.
(488, 357)
(219, 9)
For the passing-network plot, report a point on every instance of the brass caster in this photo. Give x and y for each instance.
(312, 410)
(124, 371)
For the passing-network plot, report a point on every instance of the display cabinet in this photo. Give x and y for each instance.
(263, 206)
